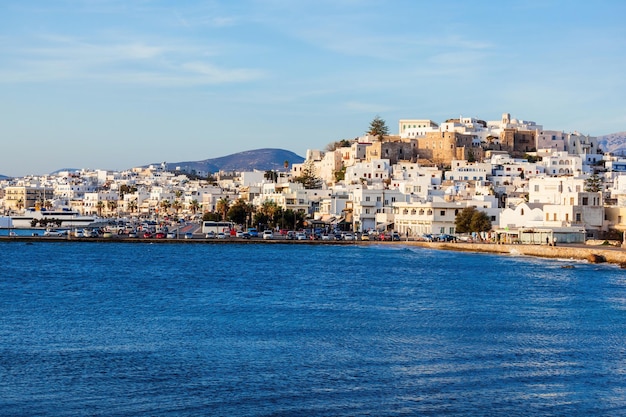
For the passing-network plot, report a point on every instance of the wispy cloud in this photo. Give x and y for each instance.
(54, 58)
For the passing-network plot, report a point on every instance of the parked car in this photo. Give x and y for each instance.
(446, 238)
(53, 233)
(245, 235)
(291, 235)
(348, 236)
(171, 235)
(365, 236)
(268, 234)
(253, 232)
(159, 235)
(221, 235)
(210, 235)
(188, 235)
(326, 236)
(146, 235)
(395, 236)
(300, 236)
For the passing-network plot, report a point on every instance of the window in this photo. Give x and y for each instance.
(585, 201)
(578, 217)
(378, 199)
(442, 213)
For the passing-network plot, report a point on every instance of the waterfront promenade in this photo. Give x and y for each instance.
(610, 254)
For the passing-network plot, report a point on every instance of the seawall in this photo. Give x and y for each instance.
(578, 252)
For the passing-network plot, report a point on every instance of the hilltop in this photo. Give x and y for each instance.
(615, 143)
(260, 159)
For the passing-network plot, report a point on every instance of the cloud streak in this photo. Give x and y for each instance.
(57, 58)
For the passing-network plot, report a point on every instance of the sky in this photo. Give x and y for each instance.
(113, 84)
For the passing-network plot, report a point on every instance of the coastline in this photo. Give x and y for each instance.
(608, 254)
(613, 255)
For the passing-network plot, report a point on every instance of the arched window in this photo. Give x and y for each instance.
(421, 212)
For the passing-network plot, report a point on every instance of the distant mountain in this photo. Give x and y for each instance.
(615, 143)
(259, 159)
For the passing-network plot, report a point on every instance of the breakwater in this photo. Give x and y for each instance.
(578, 252)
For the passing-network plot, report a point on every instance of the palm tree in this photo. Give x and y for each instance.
(194, 206)
(20, 204)
(269, 208)
(99, 207)
(165, 205)
(222, 207)
(132, 205)
(47, 204)
(111, 205)
(176, 205)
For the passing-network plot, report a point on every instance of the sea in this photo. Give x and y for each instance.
(167, 329)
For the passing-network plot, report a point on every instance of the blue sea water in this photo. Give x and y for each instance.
(108, 329)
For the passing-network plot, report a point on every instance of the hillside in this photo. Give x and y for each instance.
(259, 159)
(615, 143)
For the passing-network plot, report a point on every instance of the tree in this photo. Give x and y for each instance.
(271, 175)
(239, 211)
(341, 174)
(165, 205)
(99, 207)
(472, 220)
(222, 207)
(343, 143)
(125, 189)
(194, 206)
(593, 184)
(378, 128)
(177, 205)
(211, 217)
(307, 177)
(111, 205)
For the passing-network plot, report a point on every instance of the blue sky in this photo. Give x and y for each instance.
(108, 84)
